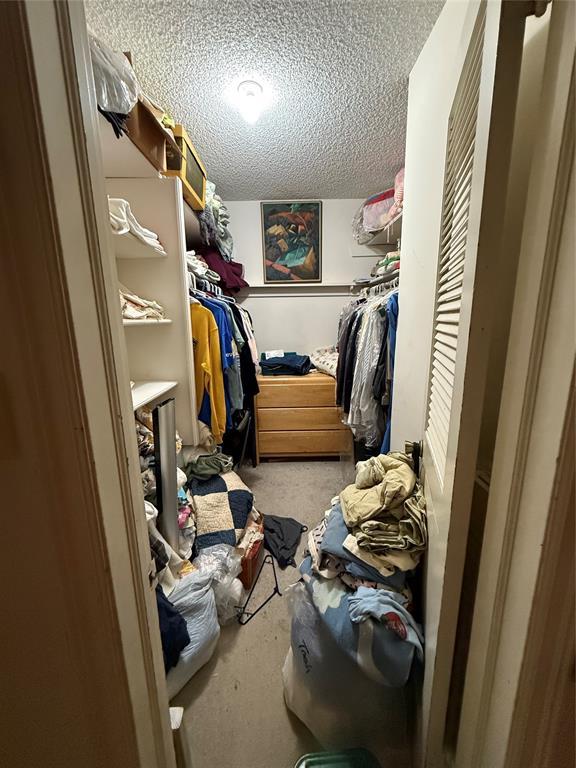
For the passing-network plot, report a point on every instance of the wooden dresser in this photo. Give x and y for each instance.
(297, 416)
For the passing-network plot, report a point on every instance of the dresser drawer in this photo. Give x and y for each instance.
(311, 442)
(293, 392)
(283, 419)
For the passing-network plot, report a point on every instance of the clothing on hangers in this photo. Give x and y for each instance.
(232, 352)
(366, 342)
(209, 376)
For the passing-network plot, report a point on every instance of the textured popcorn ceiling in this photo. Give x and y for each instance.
(338, 70)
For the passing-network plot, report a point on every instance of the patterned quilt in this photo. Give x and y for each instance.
(222, 505)
(326, 360)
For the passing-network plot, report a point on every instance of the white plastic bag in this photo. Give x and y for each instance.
(223, 563)
(117, 88)
(337, 702)
(193, 597)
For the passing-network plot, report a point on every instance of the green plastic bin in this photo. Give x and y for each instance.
(349, 758)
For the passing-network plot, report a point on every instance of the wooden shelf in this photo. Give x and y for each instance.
(128, 246)
(147, 321)
(390, 234)
(147, 391)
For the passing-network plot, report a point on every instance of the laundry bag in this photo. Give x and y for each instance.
(329, 693)
(193, 597)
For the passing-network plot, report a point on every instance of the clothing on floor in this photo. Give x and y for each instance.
(173, 632)
(389, 608)
(378, 653)
(208, 465)
(403, 528)
(379, 568)
(382, 483)
(281, 538)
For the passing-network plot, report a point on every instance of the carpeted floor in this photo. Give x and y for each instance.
(235, 715)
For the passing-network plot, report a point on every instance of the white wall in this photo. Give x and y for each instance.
(297, 318)
(430, 99)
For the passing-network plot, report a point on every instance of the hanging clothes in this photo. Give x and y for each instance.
(392, 325)
(208, 369)
(366, 343)
(232, 354)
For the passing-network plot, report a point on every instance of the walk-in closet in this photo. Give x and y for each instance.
(306, 273)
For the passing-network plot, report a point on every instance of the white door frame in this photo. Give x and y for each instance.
(55, 224)
(535, 401)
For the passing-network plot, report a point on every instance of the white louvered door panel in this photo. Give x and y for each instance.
(479, 125)
(452, 253)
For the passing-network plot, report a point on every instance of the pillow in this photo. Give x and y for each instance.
(222, 505)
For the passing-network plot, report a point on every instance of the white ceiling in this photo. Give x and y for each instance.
(338, 68)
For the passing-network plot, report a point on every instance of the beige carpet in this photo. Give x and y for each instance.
(235, 715)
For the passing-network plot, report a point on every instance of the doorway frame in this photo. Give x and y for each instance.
(55, 216)
(541, 342)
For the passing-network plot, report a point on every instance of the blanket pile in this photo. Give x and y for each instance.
(356, 571)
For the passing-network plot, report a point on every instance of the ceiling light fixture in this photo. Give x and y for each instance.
(250, 100)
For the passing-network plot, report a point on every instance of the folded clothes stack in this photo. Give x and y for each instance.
(199, 268)
(134, 307)
(122, 221)
(286, 364)
(390, 263)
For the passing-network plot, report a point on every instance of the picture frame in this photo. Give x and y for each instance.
(291, 241)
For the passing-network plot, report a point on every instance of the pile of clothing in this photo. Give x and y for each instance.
(231, 273)
(122, 221)
(214, 220)
(218, 243)
(365, 371)
(225, 358)
(145, 442)
(204, 277)
(387, 266)
(200, 588)
(359, 558)
(134, 307)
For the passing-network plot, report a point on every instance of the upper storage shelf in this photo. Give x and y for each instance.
(123, 160)
(390, 234)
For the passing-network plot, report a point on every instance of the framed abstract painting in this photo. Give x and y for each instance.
(291, 241)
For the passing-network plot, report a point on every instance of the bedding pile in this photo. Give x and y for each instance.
(199, 588)
(358, 566)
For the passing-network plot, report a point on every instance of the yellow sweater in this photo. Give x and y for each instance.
(208, 367)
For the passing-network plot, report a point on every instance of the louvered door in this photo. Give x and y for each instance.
(452, 252)
(478, 143)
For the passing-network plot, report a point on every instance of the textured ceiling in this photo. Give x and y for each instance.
(338, 70)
